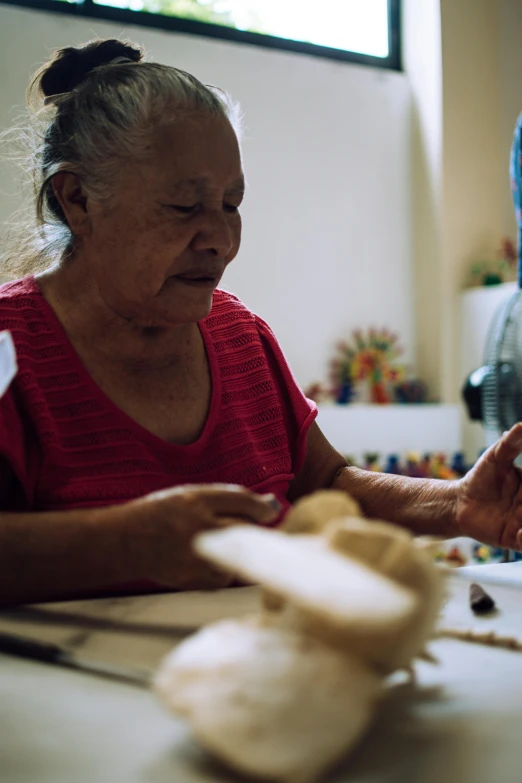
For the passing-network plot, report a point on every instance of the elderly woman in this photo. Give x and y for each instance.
(149, 404)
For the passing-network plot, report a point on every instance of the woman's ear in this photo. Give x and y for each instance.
(70, 194)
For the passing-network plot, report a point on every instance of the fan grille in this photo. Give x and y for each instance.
(502, 390)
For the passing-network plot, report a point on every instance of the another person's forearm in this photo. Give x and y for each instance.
(424, 506)
(55, 554)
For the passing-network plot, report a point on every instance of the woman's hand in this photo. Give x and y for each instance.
(489, 500)
(165, 523)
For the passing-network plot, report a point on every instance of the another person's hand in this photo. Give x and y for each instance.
(489, 501)
(165, 523)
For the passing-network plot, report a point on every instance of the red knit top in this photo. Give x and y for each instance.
(70, 446)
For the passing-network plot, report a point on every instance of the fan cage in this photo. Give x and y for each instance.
(502, 389)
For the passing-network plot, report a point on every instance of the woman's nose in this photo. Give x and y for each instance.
(215, 233)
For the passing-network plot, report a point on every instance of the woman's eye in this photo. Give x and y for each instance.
(232, 208)
(183, 209)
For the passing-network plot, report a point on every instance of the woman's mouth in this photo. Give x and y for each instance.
(199, 281)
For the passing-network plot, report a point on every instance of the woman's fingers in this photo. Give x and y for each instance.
(509, 446)
(244, 504)
(228, 500)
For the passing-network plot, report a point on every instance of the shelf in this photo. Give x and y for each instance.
(391, 429)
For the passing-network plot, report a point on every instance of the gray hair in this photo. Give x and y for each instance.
(102, 105)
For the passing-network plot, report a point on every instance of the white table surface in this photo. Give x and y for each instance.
(462, 723)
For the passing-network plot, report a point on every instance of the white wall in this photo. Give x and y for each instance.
(327, 218)
(463, 60)
(423, 64)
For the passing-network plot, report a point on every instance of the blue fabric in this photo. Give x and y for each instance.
(515, 170)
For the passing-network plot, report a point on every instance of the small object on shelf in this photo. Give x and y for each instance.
(480, 601)
(413, 467)
(458, 464)
(455, 557)
(491, 278)
(499, 270)
(345, 393)
(481, 553)
(425, 466)
(371, 462)
(412, 391)
(393, 465)
(439, 468)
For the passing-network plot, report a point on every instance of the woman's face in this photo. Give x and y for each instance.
(158, 248)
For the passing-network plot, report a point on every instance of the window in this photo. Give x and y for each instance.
(364, 31)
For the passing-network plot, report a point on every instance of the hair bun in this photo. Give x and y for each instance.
(68, 67)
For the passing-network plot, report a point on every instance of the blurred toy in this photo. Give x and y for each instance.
(393, 465)
(345, 393)
(412, 391)
(440, 556)
(371, 462)
(481, 553)
(425, 466)
(500, 270)
(455, 557)
(439, 468)
(458, 464)
(452, 557)
(413, 467)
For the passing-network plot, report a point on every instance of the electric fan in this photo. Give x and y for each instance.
(493, 393)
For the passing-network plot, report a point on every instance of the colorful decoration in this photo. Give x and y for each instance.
(371, 462)
(482, 553)
(440, 469)
(455, 557)
(452, 557)
(430, 466)
(367, 357)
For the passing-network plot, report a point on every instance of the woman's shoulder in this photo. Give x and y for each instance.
(224, 302)
(22, 311)
(230, 313)
(19, 295)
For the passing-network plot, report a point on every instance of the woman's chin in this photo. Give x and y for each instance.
(182, 313)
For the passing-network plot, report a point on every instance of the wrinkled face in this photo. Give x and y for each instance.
(158, 248)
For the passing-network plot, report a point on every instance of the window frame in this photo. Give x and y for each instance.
(89, 9)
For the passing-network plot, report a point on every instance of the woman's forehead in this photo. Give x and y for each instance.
(194, 154)
(199, 186)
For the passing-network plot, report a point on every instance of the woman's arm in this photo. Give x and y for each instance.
(486, 504)
(45, 556)
(52, 555)
(424, 506)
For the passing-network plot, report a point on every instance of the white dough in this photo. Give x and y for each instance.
(269, 701)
